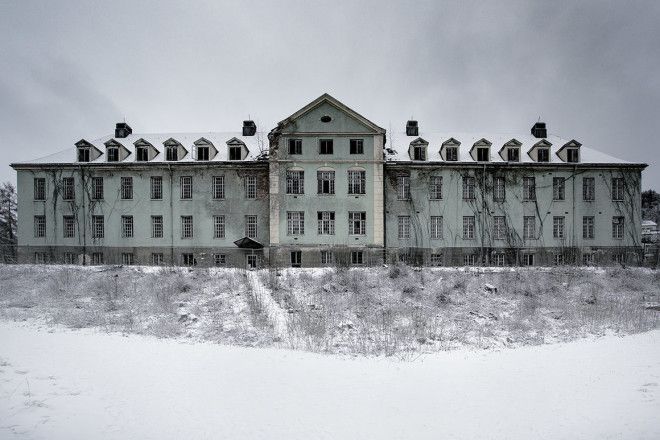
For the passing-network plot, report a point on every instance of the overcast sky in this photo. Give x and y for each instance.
(71, 70)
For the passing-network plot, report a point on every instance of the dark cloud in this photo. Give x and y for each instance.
(72, 69)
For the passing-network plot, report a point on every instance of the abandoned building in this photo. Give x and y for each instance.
(327, 186)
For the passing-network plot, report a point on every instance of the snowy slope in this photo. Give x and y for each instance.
(66, 384)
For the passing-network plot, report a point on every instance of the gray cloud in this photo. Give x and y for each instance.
(72, 69)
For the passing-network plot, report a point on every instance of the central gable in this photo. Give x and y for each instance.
(327, 115)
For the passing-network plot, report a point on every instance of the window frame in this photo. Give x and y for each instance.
(68, 226)
(469, 227)
(219, 226)
(325, 222)
(357, 223)
(127, 226)
(436, 225)
(295, 223)
(558, 189)
(435, 188)
(251, 223)
(529, 188)
(97, 188)
(186, 188)
(357, 180)
(325, 182)
(126, 188)
(295, 182)
(588, 189)
(218, 187)
(326, 147)
(187, 227)
(356, 146)
(39, 188)
(403, 187)
(294, 146)
(156, 187)
(157, 226)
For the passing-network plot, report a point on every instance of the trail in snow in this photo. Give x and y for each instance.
(276, 316)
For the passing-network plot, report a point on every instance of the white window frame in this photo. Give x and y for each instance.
(588, 189)
(187, 231)
(69, 226)
(186, 184)
(435, 187)
(251, 226)
(588, 227)
(295, 182)
(219, 226)
(126, 188)
(469, 227)
(295, 223)
(68, 188)
(39, 226)
(250, 183)
(404, 227)
(156, 187)
(127, 226)
(499, 189)
(357, 223)
(558, 188)
(156, 226)
(403, 187)
(325, 182)
(357, 181)
(529, 188)
(529, 227)
(218, 187)
(558, 227)
(499, 227)
(469, 183)
(98, 226)
(97, 188)
(618, 227)
(436, 227)
(326, 222)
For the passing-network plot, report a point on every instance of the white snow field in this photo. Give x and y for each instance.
(65, 384)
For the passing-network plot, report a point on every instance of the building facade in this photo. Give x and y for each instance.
(327, 186)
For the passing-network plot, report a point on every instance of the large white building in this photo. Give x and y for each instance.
(328, 186)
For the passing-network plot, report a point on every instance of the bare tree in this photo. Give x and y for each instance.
(8, 223)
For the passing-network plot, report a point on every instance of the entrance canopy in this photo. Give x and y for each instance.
(248, 243)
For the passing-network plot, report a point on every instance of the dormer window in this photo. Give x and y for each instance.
(513, 155)
(572, 155)
(419, 152)
(83, 154)
(141, 154)
(451, 154)
(543, 155)
(113, 154)
(234, 152)
(483, 154)
(203, 152)
(171, 153)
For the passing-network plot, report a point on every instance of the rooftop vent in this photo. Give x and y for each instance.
(412, 129)
(249, 128)
(539, 130)
(122, 130)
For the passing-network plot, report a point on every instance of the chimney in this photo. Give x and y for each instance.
(412, 129)
(122, 130)
(539, 130)
(249, 128)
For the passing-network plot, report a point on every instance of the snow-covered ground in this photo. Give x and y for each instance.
(64, 384)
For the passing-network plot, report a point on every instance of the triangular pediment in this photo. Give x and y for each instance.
(419, 141)
(451, 142)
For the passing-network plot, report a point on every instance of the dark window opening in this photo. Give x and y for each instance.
(419, 153)
(113, 154)
(357, 146)
(296, 258)
(572, 155)
(483, 155)
(325, 146)
(295, 146)
(235, 153)
(543, 155)
(203, 153)
(141, 154)
(83, 154)
(513, 155)
(172, 153)
(451, 154)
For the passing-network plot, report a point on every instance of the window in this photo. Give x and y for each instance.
(97, 188)
(529, 188)
(618, 258)
(218, 189)
(617, 227)
(295, 182)
(436, 259)
(251, 261)
(295, 223)
(435, 187)
(156, 188)
(157, 259)
(235, 152)
(527, 259)
(469, 260)
(588, 189)
(572, 155)
(186, 187)
(558, 259)
(357, 182)
(251, 226)
(326, 222)
(419, 152)
(39, 226)
(558, 227)
(219, 259)
(357, 223)
(529, 227)
(617, 189)
(588, 259)
(325, 146)
(250, 187)
(468, 227)
(203, 152)
(189, 259)
(113, 154)
(39, 188)
(69, 224)
(156, 226)
(499, 189)
(498, 259)
(451, 154)
(404, 227)
(499, 227)
(513, 155)
(588, 227)
(295, 146)
(558, 188)
(327, 257)
(127, 259)
(172, 153)
(186, 226)
(483, 154)
(436, 227)
(325, 182)
(40, 258)
(296, 258)
(68, 188)
(218, 226)
(403, 187)
(141, 154)
(97, 258)
(357, 257)
(126, 188)
(356, 146)
(98, 226)
(468, 188)
(83, 154)
(127, 226)
(543, 155)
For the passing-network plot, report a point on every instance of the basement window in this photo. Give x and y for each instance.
(296, 258)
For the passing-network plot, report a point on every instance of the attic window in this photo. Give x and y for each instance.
(235, 152)
(326, 118)
(513, 155)
(171, 153)
(83, 154)
(113, 154)
(141, 154)
(543, 155)
(572, 155)
(203, 153)
(482, 154)
(419, 152)
(451, 154)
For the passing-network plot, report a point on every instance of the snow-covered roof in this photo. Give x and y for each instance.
(398, 144)
(649, 223)
(256, 145)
